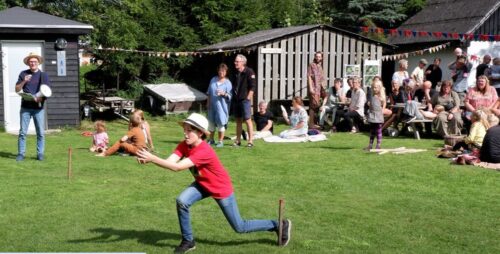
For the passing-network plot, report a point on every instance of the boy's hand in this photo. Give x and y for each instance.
(143, 156)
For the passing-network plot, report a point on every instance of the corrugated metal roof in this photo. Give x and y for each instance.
(18, 17)
(455, 16)
(263, 36)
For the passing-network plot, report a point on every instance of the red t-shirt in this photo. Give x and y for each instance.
(207, 170)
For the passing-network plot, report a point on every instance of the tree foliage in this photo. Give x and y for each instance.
(181, 25)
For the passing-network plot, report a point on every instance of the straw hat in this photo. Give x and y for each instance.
(197, 121)
(33, 55)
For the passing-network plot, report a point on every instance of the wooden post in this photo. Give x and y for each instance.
(70, 170)
(280, 219)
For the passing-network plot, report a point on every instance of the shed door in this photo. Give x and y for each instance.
(13, 54)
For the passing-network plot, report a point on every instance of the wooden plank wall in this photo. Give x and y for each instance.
(63, 108)
(283, 75)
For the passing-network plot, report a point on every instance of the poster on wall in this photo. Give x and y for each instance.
(351, 70)
(370, 70)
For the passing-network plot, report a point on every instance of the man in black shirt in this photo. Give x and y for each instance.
(482, 67)
(243, 88)
(263, 121)
(490, 151)
(434, 74)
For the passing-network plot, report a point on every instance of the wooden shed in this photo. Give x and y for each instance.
(56, 39)
(280, 56)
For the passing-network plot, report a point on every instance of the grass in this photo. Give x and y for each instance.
(340, 198)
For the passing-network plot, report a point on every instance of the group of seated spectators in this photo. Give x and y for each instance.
(446, 106)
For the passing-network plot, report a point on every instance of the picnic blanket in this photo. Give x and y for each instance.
(313, 138)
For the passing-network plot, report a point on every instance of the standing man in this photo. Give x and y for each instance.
(433, 73)
(315, 87)
(418, 72)
(243, 87)
(483, 66)
(29, 82)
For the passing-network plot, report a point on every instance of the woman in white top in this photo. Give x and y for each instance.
(401, 74)
(297, 121)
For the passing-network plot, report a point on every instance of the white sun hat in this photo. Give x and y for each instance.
(198, 121)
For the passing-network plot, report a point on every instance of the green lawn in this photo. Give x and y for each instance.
(340, 198)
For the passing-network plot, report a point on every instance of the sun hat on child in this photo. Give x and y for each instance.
(197, 121)
(33, 55)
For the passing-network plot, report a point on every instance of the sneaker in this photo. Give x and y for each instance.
(219, 144)
(20, 157)
(286, 230)
(185, 246)
(39, 157)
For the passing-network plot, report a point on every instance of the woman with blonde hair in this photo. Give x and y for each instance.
(482, 96)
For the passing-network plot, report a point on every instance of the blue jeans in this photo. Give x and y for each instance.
(39, 119)
(229, 207)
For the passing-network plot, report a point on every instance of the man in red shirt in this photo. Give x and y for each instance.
(211, 180)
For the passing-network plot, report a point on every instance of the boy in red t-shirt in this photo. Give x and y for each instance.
(211, 180)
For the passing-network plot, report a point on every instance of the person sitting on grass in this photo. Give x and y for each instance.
(146, 129)
(477, 132)
(263, 121)
(490, 151)
(130, 143)
(211, 180)
(100, 138)
(297, 121)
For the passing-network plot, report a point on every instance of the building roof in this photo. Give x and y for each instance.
(17, 18)
(264, 36)
(453, 16)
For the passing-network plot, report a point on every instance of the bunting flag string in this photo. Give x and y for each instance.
(415, 33)
(168, 54)
(415, 53)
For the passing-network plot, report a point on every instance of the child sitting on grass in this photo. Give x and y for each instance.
(100, 138)
(478, 130)
(145, 129)
(130, 143)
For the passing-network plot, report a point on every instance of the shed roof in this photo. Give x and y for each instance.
(264, 36)
(455, 16)
(17, 18)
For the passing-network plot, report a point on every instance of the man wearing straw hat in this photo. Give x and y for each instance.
(28, 84)
(211, 180)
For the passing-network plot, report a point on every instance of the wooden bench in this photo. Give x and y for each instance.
(414, 127)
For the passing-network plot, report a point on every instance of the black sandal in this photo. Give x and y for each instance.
(250, 145)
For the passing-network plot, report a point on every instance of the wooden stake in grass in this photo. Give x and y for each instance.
(280, 219)
(70, 170)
